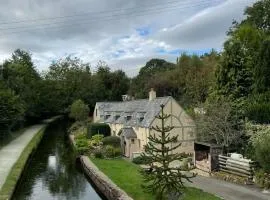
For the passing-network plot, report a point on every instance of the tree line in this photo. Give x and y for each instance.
(238, 76)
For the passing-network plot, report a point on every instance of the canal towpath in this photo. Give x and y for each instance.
(10, 153)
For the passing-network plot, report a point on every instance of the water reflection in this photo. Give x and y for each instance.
(52, 173)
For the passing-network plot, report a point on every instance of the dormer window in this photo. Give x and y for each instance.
(107, 116)
(116, 117)
(140, 116)
(128, 117)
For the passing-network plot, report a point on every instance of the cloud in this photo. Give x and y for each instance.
(125, 34)
(206, 29)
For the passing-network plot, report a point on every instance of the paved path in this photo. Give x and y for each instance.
(228, 191)
(10, 153)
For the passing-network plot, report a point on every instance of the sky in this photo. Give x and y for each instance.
(123, 33)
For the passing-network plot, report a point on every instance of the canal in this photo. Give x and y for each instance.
(52, 173)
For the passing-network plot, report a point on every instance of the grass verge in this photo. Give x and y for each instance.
(126, 175)
(17, 169)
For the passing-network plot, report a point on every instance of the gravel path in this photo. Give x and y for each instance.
(228, 191)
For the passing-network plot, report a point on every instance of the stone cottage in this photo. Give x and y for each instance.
(132, 120)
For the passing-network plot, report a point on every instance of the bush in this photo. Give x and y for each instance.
(82, 146)
(111, 152)
(261, 141)
(98, 153)
(96, 140)
(262, 179)
(112, 140)
(98, 128)
(141, 160)
(80, 136)
(258, 108)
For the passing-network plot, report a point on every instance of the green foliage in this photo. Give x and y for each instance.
(262, 179)
(99, 153)
(79, 111)
(141, 160)
(258, 15)
(262, 69)
(163, 180)
(98, 128)
(82, 145)
(11, 109)
(19, 75)
(112, 152)
(258, 108)
(96, 140)
(260, 140)
(112, 140)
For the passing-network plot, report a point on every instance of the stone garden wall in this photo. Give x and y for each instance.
(102, 182)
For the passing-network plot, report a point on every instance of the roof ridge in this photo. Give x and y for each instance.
(131, 100)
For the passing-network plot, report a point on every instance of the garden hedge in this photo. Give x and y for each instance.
(98, 128)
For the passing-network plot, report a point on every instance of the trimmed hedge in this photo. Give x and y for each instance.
(141, 160)
(112, 140)
(98, 128)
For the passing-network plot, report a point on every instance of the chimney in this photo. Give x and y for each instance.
(152, 94)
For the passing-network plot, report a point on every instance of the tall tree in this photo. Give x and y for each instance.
(164, 180)
(19, 74)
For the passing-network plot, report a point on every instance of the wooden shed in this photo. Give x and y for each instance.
(206, 156)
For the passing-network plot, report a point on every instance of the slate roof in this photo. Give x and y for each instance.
(128, 132)
(141, 112)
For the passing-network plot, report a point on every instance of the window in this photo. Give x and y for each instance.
(107, 116)
(117, 117)
(128, 118)
(132, 141)
(141, 119)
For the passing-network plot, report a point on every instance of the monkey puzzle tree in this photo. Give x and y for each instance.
(163, 180)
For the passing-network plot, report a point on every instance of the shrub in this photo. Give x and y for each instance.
(258, 108)
(96, 140)
(98, 153)
(98, 128)
(82, 146)
(117, 152)
(141, 160)
(262, 179)
(112, 140)
(261, 141)
(111, 152)
(80, 136)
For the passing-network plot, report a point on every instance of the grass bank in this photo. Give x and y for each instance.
(126, 175)
(17, 169)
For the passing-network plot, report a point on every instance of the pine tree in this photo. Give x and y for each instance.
(163, 180)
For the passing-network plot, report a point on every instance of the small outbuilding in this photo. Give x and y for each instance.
(206, 156)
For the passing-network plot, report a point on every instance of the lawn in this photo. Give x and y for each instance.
(125, 174)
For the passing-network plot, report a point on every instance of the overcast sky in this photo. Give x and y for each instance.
(123, 33)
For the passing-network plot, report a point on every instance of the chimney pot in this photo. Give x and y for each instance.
(152, 94)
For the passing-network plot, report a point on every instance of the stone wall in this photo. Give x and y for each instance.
(102, 182)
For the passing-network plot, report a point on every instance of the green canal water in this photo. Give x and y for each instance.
(52, 173)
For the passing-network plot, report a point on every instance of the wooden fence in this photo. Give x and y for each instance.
(240, 167)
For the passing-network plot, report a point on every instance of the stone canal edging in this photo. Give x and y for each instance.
(109, 189)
